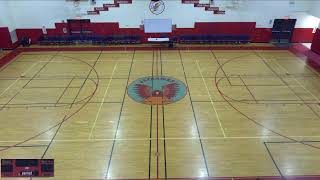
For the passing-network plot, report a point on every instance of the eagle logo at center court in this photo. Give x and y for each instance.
(157, 90)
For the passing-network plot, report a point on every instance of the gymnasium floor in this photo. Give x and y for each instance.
(3, 53)
(245, 113)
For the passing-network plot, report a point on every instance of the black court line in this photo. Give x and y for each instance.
(290, 142)
(64, 91)
(266, 103)
(60, 52)
(261, 76)
(55, 134)
(296, 94)
(267, 100)
(26, 104)
(61, 87)
(314, 112)
(163, 126)
(158, 153)
(150, 143)
(260, 101)
(2, 107)
(248, 90)
(216, 58)
(205, 77)
(274, 162)
(151, 117)
(194, 116)
(26, 146)
(122, 104)
(195, 77)
(58, 78)
(261, 85)
(157, 122)
(86, 79)
(312, 70)
(47, 105)
(26, 84)
(9, 63)
(36, 74)
(72, 114)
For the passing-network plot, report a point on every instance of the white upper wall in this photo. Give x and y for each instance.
(6, 19)
(36, 13)
(315, 8)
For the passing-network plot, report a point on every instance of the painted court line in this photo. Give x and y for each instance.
(9, 86)
(25, 72)
(307, 90)
(220, 124)
(173, 138)
(298, 82)
(103, 98)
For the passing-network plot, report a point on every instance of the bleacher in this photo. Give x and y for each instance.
(213, 38)
(134, 39)
(89, 39)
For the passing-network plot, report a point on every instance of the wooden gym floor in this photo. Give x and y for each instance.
(246, 113)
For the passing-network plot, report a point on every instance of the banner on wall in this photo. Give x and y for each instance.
(14, 37)
(201, 5)
(101, 8)
(123, 1)
(190, 1)
(212, 8)
(93, 12)
(111, 5)
(44, 30)
(219, 12)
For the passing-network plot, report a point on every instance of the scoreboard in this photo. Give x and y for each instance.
(27, 167)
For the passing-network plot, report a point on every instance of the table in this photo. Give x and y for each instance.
(158, 39)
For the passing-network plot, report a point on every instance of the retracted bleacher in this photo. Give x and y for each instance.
(80, 33)
(89, 39)
(214, 38)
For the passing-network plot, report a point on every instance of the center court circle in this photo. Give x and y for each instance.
(157, 90)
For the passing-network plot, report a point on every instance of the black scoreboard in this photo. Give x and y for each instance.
(27, 167)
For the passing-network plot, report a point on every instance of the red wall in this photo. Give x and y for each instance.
(257, 34)
(34, 34)
(5, 39)
(261, 35)
(316, 42)
(302, 35)
(58, 30)
(225, 27)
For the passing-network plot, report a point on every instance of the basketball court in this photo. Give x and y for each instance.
(158, 89)
(245, 113)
